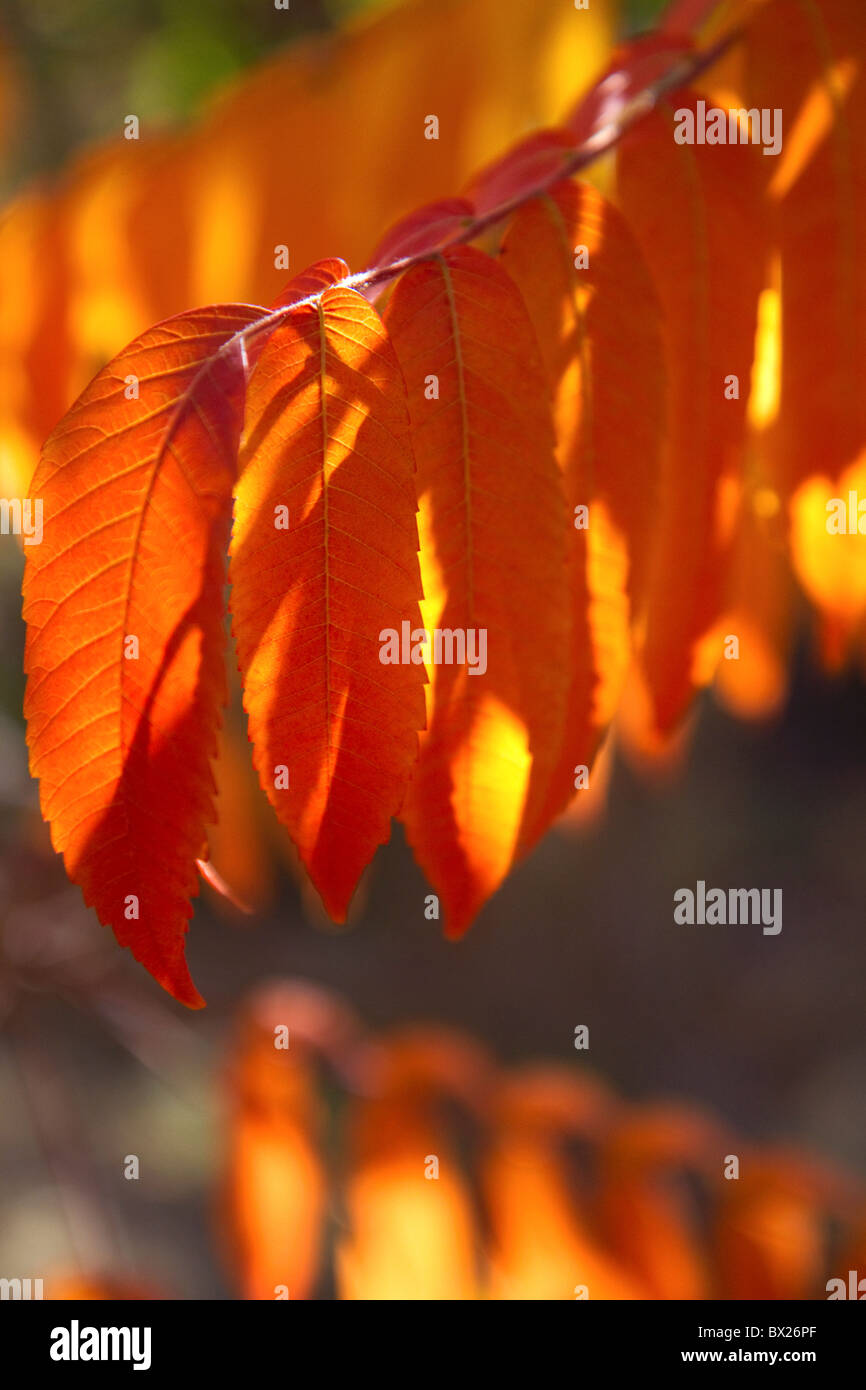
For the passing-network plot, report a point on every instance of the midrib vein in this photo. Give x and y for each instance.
(323, 408)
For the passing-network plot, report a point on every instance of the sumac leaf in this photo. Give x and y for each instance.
(123, 603)
(324, 557)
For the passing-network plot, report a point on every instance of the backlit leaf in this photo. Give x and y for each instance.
(597, 321)
(687, 206)
(272, 1195)
(324, 559)
(808, 61)
(411, 1231)
(493, 537)
(123, 601)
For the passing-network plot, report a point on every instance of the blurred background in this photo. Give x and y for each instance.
(95, 1063)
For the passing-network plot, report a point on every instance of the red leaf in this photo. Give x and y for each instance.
(328, 453)
(599, 329)
(810, 64)
(493, 527)
(687, 206)
(136, 497)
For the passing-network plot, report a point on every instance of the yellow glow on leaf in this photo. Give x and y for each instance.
(754, 686)
(831, 568)
(609, 616)
(764, 397)
(490, 782)
(813, 124)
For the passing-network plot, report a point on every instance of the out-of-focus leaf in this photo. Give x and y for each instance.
(412, 1229)
(542, 1243)
(273, 1192)
(646, 1208)
(771, 1233)
(808, 61)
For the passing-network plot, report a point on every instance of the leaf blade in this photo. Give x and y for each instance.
(142, 483)
(708, 280)
(492, 522)
(328, 440)
(597, 321)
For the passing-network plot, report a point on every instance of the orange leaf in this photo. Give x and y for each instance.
(646, 1202)
(411, 1227)
(760, 607)
(542, 1244)
(272, 1198)
(597, 321)
(36, 352)
(123, 600)
(113, 261)
(808, 61)
(399, 66)
(493, 529)
(770, 1233)
(761, 614)
(242, 866)
(324, 559)
(688, 205)
(831, 564)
